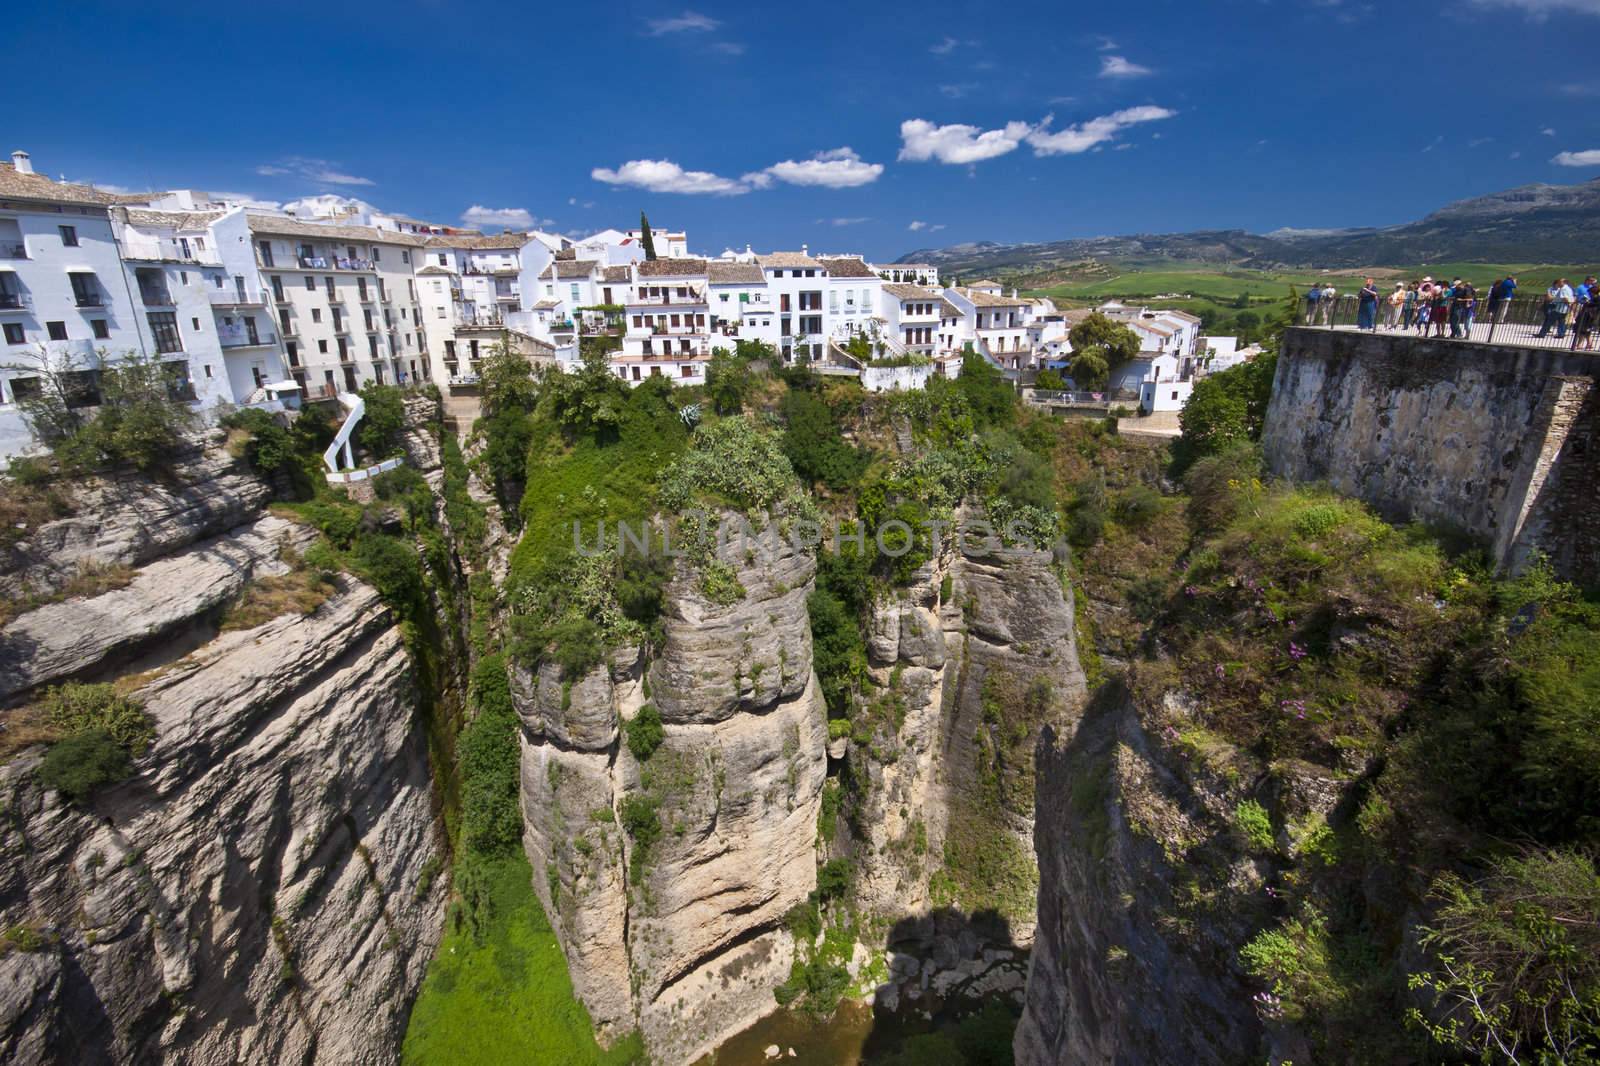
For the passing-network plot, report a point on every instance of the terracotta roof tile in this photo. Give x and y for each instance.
(735, 273)
(847, 267)
(672, 268)
(14, 186)
(787, 259)
(902, 291)
(295, 227)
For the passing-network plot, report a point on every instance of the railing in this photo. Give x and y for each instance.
(92, 300)
(13, 301)
(332, 262)
(13, 251)
(690, 299)
(153, 298)
(233, 298)
(238, 338)
(1522, 321)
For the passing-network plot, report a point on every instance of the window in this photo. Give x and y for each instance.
(85, 290)
(14, 334)
(441, 312)
(195, 322)
(322, 346)
(57, 330)
(375, 256)
(101, 330)
(332, 294)
(405, 256)
(574, 294)
(316, 314)
(277, 288)
(444, 260)
(164, 327)
(266, 253)
(200, 244)
(208, 370)
(311, 283)
(69, 236)
(411, 287)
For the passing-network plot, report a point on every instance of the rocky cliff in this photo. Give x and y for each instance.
(263, 888)
(678, 928)
(970, 662)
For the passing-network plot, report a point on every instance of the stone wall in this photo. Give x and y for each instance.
(1494, 441)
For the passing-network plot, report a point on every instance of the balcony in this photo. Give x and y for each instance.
(95, 299)
(333, 262)
(152, 298)
(239, 338)
(234, 298)
(690, 299)
(14, 301)
(678, 331)
(13, 250)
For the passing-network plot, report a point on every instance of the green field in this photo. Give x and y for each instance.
(506, 998)
(1223, 286)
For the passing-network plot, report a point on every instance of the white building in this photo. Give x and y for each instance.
(908, 273)
(741, 305)
(64, 293)
(669, 244)
(998, 325)
(796, 283)
(911, 315)
(667, 318)
(854, 296)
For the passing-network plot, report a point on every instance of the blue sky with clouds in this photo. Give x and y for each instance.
(853, 126)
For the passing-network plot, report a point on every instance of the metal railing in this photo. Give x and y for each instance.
(11, 250)
(13, 301)
(1522, 321)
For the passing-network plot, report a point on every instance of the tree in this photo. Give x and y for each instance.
(1226, 409)
(1050, 381)
(646, 238)
(507, 380)
(1098, 344)
(143, 411)
(728, 381)
(383, 420)
(60, 386)
(589, 399)
(988, 393)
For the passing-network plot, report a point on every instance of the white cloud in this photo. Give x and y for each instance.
(663, 175)
(244, 199)
(843, 221)
(956, 92)
(1479, 141)
(1106, 45)
(1436, 142)
(957, 143)
(1515, 155)
(1087, 135)
(840, 168)
(688, 22)
(1118, 67)
(930, 227)
(944, 47)
(320, 171)
(727, 48)
(1124, 146)
(510, 217)
(1541, 9)
(1589, 158)
(1548, 132)
(325, 205)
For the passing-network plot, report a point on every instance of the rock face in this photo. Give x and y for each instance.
(1499, 442)
(131, 522)
(1110, 981)
(682, 936)
(254, 894)
(268, 886)
(971, 661)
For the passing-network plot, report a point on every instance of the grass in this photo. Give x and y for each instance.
(507, 997)
(92, 579)
(301, 591)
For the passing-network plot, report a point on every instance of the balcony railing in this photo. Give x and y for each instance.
(238, 338)
(251, 297)
(1522, 322)
(153, 298)
(690, 299)
(92, 299)
(332, 262)
(13, 301)
(10, 250)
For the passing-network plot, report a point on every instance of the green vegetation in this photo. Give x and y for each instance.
(644, 732)
(1225, 410)
(1098, 344)
(643, 824)
(384, 420)
(1255, 825)
(83, 762)
(502, 994)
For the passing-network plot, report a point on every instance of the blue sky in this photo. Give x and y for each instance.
(850, 126)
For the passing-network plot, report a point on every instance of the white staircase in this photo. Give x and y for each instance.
(341, 441)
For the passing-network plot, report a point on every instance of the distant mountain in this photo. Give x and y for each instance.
(1531, 223)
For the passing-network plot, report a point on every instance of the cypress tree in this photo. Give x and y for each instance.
(646, 238)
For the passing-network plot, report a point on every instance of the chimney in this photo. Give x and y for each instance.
(804, 250)
(21, 162)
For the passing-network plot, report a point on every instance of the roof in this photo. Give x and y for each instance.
(989, 299)
(910, 292)
(546, 305)
(1151, 327)
(505, 241)
(433, 268)
(1186, 316)
(787, 259)
(572, 268)
(986, 283)
(847, 267)
(735, 273)
(177, 219)
(948, 309)
(294, 227)
(616, 273)
(672, 268)
(16, 186)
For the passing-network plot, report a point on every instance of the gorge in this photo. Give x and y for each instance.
(412, 779)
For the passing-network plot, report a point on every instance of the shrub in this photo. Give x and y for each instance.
(989, 395)
(1136, 506)
(75, 708)
(833, 879)
(814, 446)
(1049, 381)
(489, 761)
(83, 762)
(645, 732)
(394, 570)
(1255, 825)
(1226, 410)
(643, 825)
(383, 421)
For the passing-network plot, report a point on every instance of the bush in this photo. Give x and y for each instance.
(490, 759)
(833, 879)
(81, 763)
(643, 825)
(1255, 825)
(814, 446)
(989, 395)
(383, 421)
(645, 732)
(1136, 506)
(75, 708)
(395, 571)
(1050, 381)
(1225, 410)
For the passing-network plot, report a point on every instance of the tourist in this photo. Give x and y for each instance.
(1325, 306)
(1587, 320)
(1409, 315)
(1313, 295)
(1397, 300)
(1461, 296)
(1557, 302)
(1367, 306)
(1500, 295)
(1439, 309)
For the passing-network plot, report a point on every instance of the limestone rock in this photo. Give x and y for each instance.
(573, 714)
(254, 893)
(75, 637)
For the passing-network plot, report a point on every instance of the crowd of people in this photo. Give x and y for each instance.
(1428, 306)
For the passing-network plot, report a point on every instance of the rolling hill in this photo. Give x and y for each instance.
(1531, 223)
